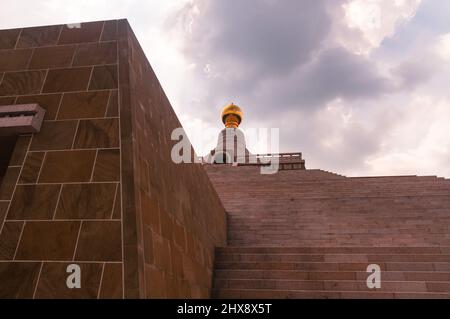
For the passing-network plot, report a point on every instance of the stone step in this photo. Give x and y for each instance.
(332, 285)
(330, 275)
(333, 250)
(360, 258)
(335, 266)
(317, 294)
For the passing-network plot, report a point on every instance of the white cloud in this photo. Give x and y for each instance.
(443, 47)
(376, 20)
(419, 143)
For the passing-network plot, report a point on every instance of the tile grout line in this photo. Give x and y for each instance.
(101, 281)
(38, 279)
(18, 241)
(101, 33)
(57, 202)
(31, 58)
(93, 166)
(68, 183)
(64, 68)
(74, 55)
(75, 136)
(119, 107)
(59, 35)
(114, 202)
(40, 170)
(87, 66)
(59, 107)
(18, 38)
(107, 104)
(64, 261)
(75, 149)
(76, 243)
(63, 45)
(90, 77)
(43, 82)
(58, 92)
(16, 183)
(65, 220)
(83, 118)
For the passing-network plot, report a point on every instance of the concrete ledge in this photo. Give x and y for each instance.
(20, 119)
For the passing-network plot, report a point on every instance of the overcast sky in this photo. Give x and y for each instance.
(361, 87)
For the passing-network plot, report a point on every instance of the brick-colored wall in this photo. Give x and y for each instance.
(180, 218)
(62, 196)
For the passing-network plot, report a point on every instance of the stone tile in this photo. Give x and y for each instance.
(57, 240)
(88, 32)
(67, 166)
(109, 31)
(86, 201)
(7, 100)
(22, 83)
(111, 287)
(113, 105)
(67, 80)
(8, 38)
(31, 167)
(9, 238)
(104, 77)
(56, 135)
(107, 166)
(34, 202)
(96, 54)
(52, 57)
(20, 150)
(100, 241)
(50, 102)
(18, 279)
(3, 210)
(39, 36)
(14, 60)
(8, 182)
(52, 282)
(98, 133)
(84, 105)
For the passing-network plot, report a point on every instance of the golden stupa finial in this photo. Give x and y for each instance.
(232, 116)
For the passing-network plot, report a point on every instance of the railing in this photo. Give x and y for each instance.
(286, 160)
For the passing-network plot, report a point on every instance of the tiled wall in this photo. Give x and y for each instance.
(60, 200)
(62, 196)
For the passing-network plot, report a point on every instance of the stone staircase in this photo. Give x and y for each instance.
(331, 272)
(312, 234)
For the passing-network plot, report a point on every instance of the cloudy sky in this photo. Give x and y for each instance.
(361, 87)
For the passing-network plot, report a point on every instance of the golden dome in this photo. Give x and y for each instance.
(232, 116)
